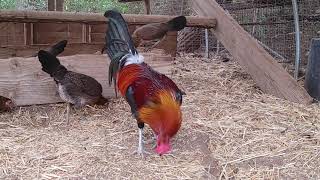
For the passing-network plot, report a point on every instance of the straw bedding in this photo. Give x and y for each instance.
(230, 130)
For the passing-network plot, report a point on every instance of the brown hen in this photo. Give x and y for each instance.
(157, 31)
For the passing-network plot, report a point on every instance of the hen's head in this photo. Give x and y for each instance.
(164, 116)
(9, 105)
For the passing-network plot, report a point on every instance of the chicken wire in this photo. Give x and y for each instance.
(269, 21)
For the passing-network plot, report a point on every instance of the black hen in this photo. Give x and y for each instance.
(56, 49)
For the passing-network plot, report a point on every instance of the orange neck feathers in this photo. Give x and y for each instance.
(164, 116)
(127, 76)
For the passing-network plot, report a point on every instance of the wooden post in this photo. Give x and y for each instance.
(28, 34)
(263, 68)
(51, 5)
(55, 5)
(147, 7)
(59, 5)
(312, 82)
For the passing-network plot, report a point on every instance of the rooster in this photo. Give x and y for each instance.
(6, 104)
(153, 97)
(157, 31)
(75, 88)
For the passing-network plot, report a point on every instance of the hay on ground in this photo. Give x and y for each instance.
(230, 130)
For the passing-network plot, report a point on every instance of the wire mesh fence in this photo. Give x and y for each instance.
(269, 21)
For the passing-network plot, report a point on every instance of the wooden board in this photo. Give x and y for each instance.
(47, 33)
(96, 18)
(23, 80)
(81, 40)
(264, 69)
(11, 33)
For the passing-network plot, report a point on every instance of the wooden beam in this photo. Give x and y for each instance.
(96, 18)
(23, 80)
(263, 68)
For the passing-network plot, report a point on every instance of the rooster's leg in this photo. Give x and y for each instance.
(140, 147)
(131, 101)
(141, 150)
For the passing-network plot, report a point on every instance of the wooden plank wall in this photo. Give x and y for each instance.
(11, 33)
(24, 39)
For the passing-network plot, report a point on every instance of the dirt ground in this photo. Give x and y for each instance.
(230, 130)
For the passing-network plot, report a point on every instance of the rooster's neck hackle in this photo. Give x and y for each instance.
(127, 76)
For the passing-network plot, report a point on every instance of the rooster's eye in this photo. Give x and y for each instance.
(179, 97)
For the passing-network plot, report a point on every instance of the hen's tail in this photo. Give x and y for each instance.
(119, 44)
(51, 65)
(56, 49)
(177, 23)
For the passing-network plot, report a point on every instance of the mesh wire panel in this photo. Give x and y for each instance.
(269, 21)
(171, 7)
(272, 23)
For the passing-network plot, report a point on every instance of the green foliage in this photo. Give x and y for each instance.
(7, 4)
(38, 5)
(94, 5)
(69, 5)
